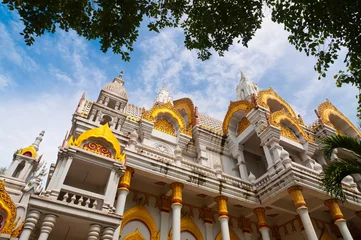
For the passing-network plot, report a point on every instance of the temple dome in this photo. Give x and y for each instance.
(116, 87)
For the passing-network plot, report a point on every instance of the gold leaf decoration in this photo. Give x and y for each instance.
(242, 125)
(165, 126)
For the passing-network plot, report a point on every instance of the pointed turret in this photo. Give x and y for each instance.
(245, 88)
(116, 87)
(163, 96)
(38, 140)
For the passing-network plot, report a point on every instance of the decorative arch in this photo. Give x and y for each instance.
(232, 235)
(241, 105)
(28, 151)
(165, 126)
(242, 125)
(134, 236)
(264, 95)
(166, 108)
(140, 213)
(187, 225)
(327, 109)
(282, 115)
(104, 134)
(188, 106)
(7, 205)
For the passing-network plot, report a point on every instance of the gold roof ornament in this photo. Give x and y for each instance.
(277, 117)
(102, 133)
(168, 108)
(241, 105)
(28, 150)
(264, 95)
(188, 106)
(327, 109)
(7, 205)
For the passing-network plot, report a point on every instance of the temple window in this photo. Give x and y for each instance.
(18, 169)
(105, 119)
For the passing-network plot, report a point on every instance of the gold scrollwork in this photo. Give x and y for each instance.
(103, 133)
(188, 106)
(242, 125)
(169, 109)
(165, 126)
(8, 206)
(288, 133)
(264, 95)
(135, 236)
(326, 109)
(277, 117)
(241, 105)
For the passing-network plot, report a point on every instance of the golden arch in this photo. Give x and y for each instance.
(241, 105)
(188, 106)
(30, 150)
(265, 95)
(166, 108)
(140, 213)
(134, 236)
(232, 235)
(277, 117)
(103, 133)
(187, 225)
(326, 109)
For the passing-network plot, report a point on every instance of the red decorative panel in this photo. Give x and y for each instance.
(97, 148)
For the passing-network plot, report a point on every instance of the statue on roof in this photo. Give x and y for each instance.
(246, 88)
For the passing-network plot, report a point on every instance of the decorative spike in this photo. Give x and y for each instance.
(38, 140)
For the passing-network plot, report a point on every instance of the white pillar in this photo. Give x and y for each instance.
(47, 226)
(58, 170)
(265, 233)
(108, 233)
(164, 225)
(94, 232)
(112, 186)
(176, 212)
(24, 174)
(341, 224)
(248, 235)
(30, 223)
(224, 227)
(209, 231)
(120, 205)
(268, 156)
(59, 180)
(307, 223)
(241, 162)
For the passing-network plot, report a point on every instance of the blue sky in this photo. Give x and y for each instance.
(40, 85)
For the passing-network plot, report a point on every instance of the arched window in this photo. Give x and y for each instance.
(105, 119)
(18, 169)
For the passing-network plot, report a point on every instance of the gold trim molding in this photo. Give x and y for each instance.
(241, 105)
(188, 106)
(326, 109)
(264, 95)
(187, 225)
(134, 236)
(165, 126)
(232, 235)
(103, 133)
(29, 149)
(170, 109)
(140, 213)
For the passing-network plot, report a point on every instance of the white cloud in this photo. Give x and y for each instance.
(4, 81)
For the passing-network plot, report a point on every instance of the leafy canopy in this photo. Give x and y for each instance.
(319, 27)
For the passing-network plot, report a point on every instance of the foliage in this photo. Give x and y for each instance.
(339, 168)
(319, 28)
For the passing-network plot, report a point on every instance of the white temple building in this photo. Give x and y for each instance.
(172, 172)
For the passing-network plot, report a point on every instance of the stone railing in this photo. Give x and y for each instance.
(154, 153)
(80, 198)
(236, 181)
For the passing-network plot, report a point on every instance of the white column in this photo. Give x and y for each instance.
(112, 187)
(26, 170)
(265, 233)
(268, 156)
(30, 223)
(164, 225)
(94, 232)
(47, 226)
(307, 223)
(209, 231)
(224, 227)
(341, 224)
(176, 211)
(58, 169)
(108, 233)
(120, 205)
(59, 181)
(10, 170)
(241, 162)
(248, 235)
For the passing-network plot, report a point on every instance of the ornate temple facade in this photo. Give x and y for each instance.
(171, 172)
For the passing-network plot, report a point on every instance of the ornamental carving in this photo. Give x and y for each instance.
(152, 114)
(264, 95)
(326, 109)
(242, 125)
(97, 148)
(165, 126)
(28, 151)
(277, 117)
(232, 235)
(188, 106)
(241, 105)
(102, 133)
(288, 133)
(134, 236)
(8, 207)
(140, 213)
